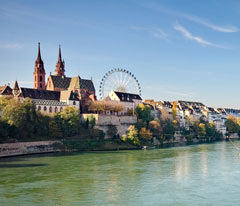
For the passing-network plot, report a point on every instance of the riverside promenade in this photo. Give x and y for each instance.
(23, 148)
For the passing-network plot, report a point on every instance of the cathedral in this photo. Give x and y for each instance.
(58, 91)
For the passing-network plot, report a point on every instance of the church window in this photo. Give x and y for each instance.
(56, 109)
(40, 78)
(40, 85)
(61, 109)
(39, 108)
(74, 103)
(45, 108)
(50, 109)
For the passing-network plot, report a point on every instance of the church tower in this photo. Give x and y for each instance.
(60, 66)
(39, 72)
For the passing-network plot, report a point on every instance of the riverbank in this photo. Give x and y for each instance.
(41, 147)
(24, 148)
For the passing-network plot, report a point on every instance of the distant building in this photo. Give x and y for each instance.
(129, 101)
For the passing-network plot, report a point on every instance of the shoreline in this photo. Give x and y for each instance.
(50, 147)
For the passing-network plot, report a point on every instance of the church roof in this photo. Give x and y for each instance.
(5, 90)
(78, 83)
(61, 81)
(68, 95)
(16, 87)
(127, 97)
(40, 94)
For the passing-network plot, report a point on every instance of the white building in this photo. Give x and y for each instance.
(129, 101)
(47, 101)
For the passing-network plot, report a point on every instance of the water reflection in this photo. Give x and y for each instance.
(174, 176)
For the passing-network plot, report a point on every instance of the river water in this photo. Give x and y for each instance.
(207, 174)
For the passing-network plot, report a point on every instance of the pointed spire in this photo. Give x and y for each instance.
(59, 55)
(16, 87)
(39, 53)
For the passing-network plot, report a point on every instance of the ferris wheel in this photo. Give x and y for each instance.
(119, 80)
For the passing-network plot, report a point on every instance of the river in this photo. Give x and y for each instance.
(207, 174)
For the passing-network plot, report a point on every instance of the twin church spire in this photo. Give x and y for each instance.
(39, 71)
(60, 66)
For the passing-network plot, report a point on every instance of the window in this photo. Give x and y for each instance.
(45, 108)
(50, 109)
(40, 85)
(40, 78)
(61, 109)
(39, 108)
(56, 109)
(74, 103)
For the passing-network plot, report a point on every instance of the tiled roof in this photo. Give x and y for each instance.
(60, 81)
(5, 90)
(78, 83)
(87, 84)
(40, 94)
(127, 97)
(48, 102)
(191, 103)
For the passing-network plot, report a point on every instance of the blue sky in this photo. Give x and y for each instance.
(178, 50)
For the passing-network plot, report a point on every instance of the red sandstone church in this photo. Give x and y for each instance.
(59, 91)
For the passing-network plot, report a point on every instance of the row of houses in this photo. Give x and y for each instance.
(193, 110)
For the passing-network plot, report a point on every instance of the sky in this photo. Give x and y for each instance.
(178, 50)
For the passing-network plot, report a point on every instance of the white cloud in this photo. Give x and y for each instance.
(197, 39)
(225, 29)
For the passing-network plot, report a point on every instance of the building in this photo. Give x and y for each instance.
(129, 101)
(5, 91)
(58, 92)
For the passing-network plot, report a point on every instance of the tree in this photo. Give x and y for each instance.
(69, 121)
(132, 135)
(231, 124)
(202, 129)
(155, 128)
(145, 134)
(210, 129)
(174, 110)
(168, 129)
(4, 130)
(112, 131)
(21, 115)
(144, 112)
(54, 130)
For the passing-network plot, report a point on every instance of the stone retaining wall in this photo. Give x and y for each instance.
(22, 148)
(122, 123)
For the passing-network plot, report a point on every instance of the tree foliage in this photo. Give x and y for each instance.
(145, 134)
(144, 113)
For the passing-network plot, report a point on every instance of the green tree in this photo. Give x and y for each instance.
(210, 129)
(202, 129)
(4, 130)
(144, 112)
(112, 131)
(168, 129)
(231, 124)
(54, 129)
(22, 115)
(69, 121)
